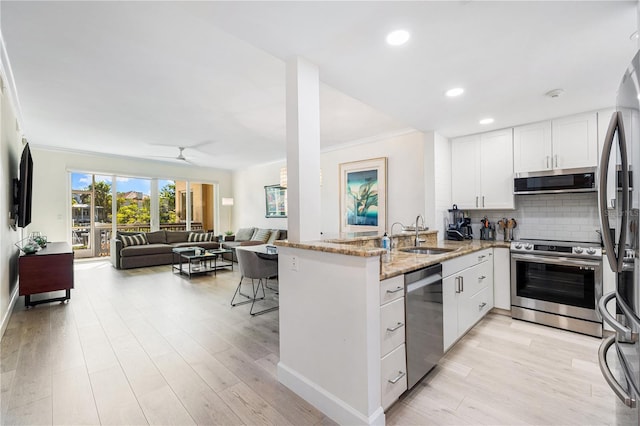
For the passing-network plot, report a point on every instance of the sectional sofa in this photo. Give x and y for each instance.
(138, 249)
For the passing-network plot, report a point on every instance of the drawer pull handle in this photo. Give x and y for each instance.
(400, 375)
(482, 305)
(481, 257)
(392, 329)
(482, 277)
(396, 290)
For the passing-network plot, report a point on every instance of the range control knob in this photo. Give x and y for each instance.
(578, 250)
(591, 250)
(518, 245)
(528, 246)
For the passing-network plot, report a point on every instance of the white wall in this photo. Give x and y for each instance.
(405, 178)
(51, 212)
(249, 203)
(405, 183)
(10, 150)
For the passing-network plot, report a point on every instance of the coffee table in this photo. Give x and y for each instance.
(196, 260)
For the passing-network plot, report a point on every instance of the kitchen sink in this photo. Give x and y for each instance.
(426, 250)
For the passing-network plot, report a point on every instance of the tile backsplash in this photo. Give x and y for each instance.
(562, 217)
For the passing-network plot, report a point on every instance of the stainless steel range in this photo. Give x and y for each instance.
(557, 283)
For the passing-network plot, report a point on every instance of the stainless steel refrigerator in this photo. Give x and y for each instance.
(619, 205)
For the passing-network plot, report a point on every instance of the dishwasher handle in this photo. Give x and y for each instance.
(430, 280)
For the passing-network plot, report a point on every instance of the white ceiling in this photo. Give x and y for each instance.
(128, 77)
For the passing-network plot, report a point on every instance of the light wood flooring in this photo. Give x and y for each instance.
(146, 346)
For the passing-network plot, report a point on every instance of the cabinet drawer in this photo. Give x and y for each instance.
(392, 328)
(456, 265)
(393, 368)
(391, 289)
(472, 308)
(477, 277)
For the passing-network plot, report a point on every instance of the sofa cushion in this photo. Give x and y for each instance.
(200, 236)
(261, 235)
(146, 249)
(274, 236)
(244, 234)
(177, 236)
(134, 240)
(157, 237)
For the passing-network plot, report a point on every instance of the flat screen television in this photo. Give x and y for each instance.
(24, 188)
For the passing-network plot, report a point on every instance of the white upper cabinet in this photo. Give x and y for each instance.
(575, 141)
(564, 143)
(465, 171)
(532, 147)
(496, 170)
(482, 171)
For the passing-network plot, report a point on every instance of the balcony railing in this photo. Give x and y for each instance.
(83, 241)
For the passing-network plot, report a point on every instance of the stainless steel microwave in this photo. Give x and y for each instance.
(555, 181)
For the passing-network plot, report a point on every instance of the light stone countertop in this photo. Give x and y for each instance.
(401, 262)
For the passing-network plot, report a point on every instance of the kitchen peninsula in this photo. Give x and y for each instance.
(332, 297)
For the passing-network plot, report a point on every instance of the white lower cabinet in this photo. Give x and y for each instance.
(393, 369)
(467, 293)
(502, 278)
(393, 362)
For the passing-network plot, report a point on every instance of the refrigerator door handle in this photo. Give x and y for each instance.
(614, 261)
(620, 392)
(622, 330)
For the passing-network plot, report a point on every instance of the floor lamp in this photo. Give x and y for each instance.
(228, 202)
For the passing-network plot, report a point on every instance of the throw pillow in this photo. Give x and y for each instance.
(275, 233)
(199, 237)
(261, 235)
(244, 234)
(134, 240)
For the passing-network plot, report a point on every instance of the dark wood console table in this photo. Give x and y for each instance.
(49, 269)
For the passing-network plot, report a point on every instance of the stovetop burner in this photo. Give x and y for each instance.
(557, 248)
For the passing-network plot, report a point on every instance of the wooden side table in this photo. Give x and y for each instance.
(49, 269)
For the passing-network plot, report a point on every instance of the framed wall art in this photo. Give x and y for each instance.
(363, 195)
(275, 197)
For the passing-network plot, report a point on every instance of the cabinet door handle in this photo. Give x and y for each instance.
(457, 280)
(400, 375)
(392, 329)
(556, 158)
(481, 258)
(483, 201)
(476, 201)
(482, 305)
(482, 277)
(547, 161)
(461, 284)
(396, 290)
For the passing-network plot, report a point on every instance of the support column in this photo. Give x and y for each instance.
(303, 150)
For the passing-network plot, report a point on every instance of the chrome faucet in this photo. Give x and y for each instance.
(418, 240)
(391, 236)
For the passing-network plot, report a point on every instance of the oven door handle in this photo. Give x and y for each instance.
(620, 392)
(566, 261)
(622, 330)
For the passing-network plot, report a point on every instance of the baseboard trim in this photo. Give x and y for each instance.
(500, 311)
(7, 315)
(329, 404)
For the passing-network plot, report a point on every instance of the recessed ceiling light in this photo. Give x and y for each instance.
(398, 37)
(486, 121)
(555, 93)
(456, 91)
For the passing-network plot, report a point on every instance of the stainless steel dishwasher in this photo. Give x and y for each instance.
(423, 310)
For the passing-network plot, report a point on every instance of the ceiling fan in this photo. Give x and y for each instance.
(179, 157)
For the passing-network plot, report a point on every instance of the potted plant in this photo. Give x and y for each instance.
(228, 236)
